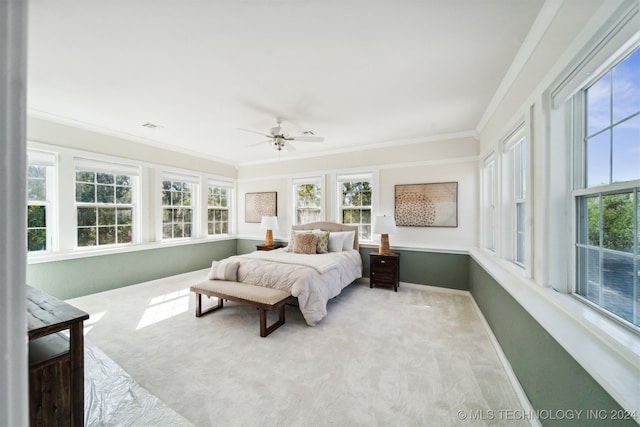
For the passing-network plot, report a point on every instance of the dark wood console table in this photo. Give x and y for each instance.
(56, 362)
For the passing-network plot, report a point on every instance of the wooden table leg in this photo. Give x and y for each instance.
(76, 345)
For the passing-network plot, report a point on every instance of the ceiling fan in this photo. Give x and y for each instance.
(278, 138)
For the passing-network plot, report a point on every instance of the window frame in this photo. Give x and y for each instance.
(228, 188)
(82, 164)
(581, 192)
(356, 177)
(194, 206)
(313, 180)
(490, 201)
(48, 160)
(514, 194)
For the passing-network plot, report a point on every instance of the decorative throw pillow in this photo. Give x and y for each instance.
(305, 243)
(224, 270)
(292, 241)
(323, 241)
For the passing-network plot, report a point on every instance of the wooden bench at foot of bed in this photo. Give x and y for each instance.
(258, 296)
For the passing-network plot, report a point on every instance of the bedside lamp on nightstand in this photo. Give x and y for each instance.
(384, 225)
(269, 223)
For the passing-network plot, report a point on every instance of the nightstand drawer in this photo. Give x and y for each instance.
(383, 276)
(382, 262)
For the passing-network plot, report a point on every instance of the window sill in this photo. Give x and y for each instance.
(608, 351)
(43, 257)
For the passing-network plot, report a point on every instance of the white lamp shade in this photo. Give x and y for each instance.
(269, 223)
(384, 225)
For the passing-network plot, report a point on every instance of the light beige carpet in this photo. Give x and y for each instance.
(418, 357)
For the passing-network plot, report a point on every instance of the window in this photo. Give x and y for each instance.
(105, 208)
(515, 187)
(218, 202)
(178, 206)
(355, 192)
(607, 189)
(307, 200)
(489, 200)
(39, 196)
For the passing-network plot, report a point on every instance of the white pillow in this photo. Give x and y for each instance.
(348, 236)
(335, 241)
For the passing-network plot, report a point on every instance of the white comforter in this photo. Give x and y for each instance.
(313, 279)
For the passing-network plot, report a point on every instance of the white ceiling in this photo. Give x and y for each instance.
(358, 72)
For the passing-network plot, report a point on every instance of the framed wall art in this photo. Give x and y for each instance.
(259, 204)
(427, 205)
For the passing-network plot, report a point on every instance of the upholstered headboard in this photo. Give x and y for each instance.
(330, 226)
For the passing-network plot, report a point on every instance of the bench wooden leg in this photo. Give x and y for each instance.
(264, 330)
(199, 311)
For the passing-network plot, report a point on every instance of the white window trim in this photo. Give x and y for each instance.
(50, 160)
(196, 203)
(489, 200)
(316, 179)
(230, 186)
(90, 164)
(341, 177)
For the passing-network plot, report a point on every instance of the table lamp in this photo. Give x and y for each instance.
(384, 225)
(269, 223)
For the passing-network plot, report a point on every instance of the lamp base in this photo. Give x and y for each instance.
(384, 245)
(268, 240)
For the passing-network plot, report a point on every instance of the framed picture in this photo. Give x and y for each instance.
(259, 204)
(427, 205)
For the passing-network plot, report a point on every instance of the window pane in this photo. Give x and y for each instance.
(520, 228)
(589, 274)
(106, 235)
(167, 231)
(123, 195)
(124, 234)
(86, 217)
(617, 222)
(598, 159)
(36, 216)
(125, 216)
(166, 198)
(105, 194)
(37, 189)
(87, 236)
(176, 198)
(84, 176)
(617, 277)
(35, 171)
(106, 216)
(85, 193)
(626, 150)
(123, 180)
(626, 87)
(210, 228)
(105, 178)
(599, 105)
(37, 239)
(589, 221)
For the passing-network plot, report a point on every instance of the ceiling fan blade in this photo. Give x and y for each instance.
(308, 138)
(255, 131)
(259, 143)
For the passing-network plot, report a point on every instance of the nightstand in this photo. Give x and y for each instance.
(384, 270)
(267, 248)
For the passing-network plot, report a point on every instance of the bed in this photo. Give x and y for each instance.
(313, 278)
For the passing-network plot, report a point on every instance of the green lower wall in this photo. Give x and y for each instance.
(430, 268)
(550, 377)
(83, 276)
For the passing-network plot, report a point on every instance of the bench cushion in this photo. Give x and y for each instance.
(259, 294)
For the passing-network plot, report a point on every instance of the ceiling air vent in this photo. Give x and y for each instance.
(150, 125)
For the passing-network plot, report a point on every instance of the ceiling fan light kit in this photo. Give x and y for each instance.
(279, 139)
